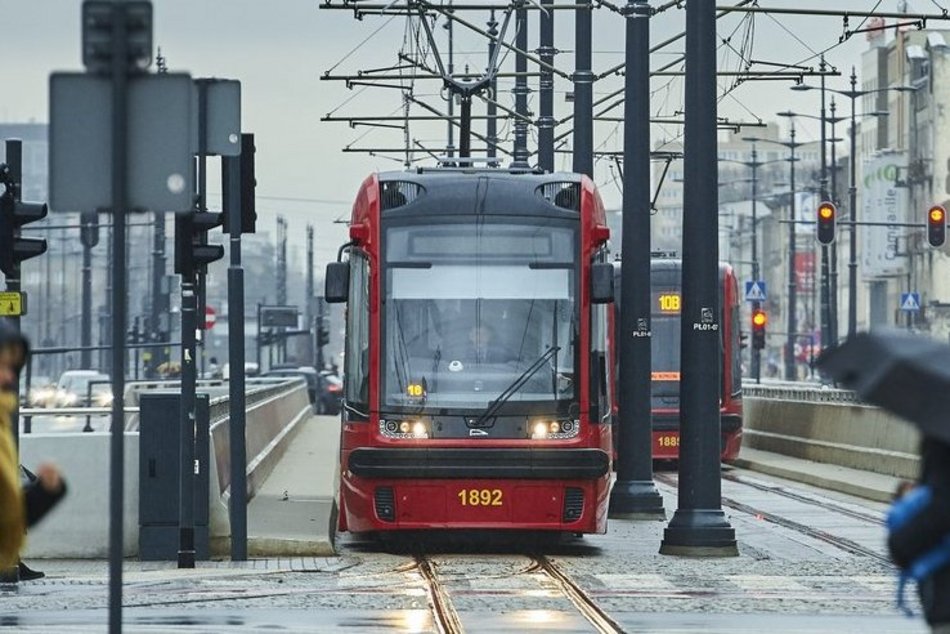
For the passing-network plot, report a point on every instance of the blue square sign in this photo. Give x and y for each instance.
(755, 291)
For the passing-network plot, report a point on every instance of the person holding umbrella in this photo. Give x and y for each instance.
(20, 505)
(910, 376)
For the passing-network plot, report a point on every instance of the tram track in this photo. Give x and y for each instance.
(446, 617)
(784, 492)
(837, 541)
(595, 615)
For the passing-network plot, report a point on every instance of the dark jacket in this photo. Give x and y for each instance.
(37, 501)
(927, 529)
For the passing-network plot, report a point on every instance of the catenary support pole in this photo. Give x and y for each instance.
(491, 121)
(634, 496)
(85, 336)
(853, 214)
(520, 91)
(834, 245)
(583, 91)
(791, 367)
(546, 52)
(699, 527)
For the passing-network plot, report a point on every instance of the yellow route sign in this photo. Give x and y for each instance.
(12, 304)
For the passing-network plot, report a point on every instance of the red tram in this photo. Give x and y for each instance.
(477, 391)
(666, 292)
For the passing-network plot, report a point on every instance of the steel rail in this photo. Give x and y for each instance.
(595, 615)
(447, 620)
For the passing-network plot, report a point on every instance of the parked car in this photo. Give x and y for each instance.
(77, 388)
(309, 374)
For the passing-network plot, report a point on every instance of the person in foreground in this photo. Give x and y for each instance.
(919, 534)
(21, 504)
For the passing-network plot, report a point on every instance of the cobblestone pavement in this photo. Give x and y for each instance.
(809, 562)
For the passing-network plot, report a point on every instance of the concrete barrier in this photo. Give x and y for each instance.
(79, 527)
(830, 426)
(272, 421)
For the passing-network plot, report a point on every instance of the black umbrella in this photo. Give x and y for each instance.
(905, 374)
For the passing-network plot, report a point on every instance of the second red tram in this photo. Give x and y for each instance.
(666, 296)
(477, 383)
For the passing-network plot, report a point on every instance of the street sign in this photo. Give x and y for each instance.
(160, 139)
(910, 302)
(755, 291)
(210, 317)
(279, 316)
(12, 304)
(223, 112)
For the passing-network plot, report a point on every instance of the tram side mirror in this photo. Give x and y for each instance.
(602, 283)
(336, 284)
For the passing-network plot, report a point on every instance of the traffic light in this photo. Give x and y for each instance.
(89, 229)
(759, 321)
(13, 215)
(323, 335)
(827, 220)
(192, 251)
(937, 226)
(242, 167)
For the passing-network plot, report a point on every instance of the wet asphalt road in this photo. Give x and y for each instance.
(810, 562)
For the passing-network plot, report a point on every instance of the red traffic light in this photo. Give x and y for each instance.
(827, 220)
(937, 226)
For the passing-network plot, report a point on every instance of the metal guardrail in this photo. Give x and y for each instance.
(806, 392)
(258, 389)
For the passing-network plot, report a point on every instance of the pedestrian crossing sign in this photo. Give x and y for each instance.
(755, 291)
(12, 304)
(910, 302)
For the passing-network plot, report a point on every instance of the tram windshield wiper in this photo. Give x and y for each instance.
(516, 385)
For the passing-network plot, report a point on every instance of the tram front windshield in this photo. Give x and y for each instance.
(472, 307)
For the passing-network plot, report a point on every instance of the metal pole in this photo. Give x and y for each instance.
(520, 91)
(190, 288)
(186, 449)
(853, 207)
(756, 353)
(237, 504)
(546, 121)
(491, 125)
(449, 26)
(833, 304)
(14, 159)
(825, 266)
(117, 446)
(158, 275)
(699, 527)
(85, 357)
(635, 496)
(791, 373)
(583, 91)
(257, 339)
(308, 301)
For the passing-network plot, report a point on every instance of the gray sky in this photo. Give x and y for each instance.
(278, 50)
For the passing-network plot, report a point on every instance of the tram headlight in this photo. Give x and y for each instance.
(405, 429)
(554, 429)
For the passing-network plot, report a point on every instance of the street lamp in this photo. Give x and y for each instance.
(754, 165)
(792, 145)
(853, 95)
